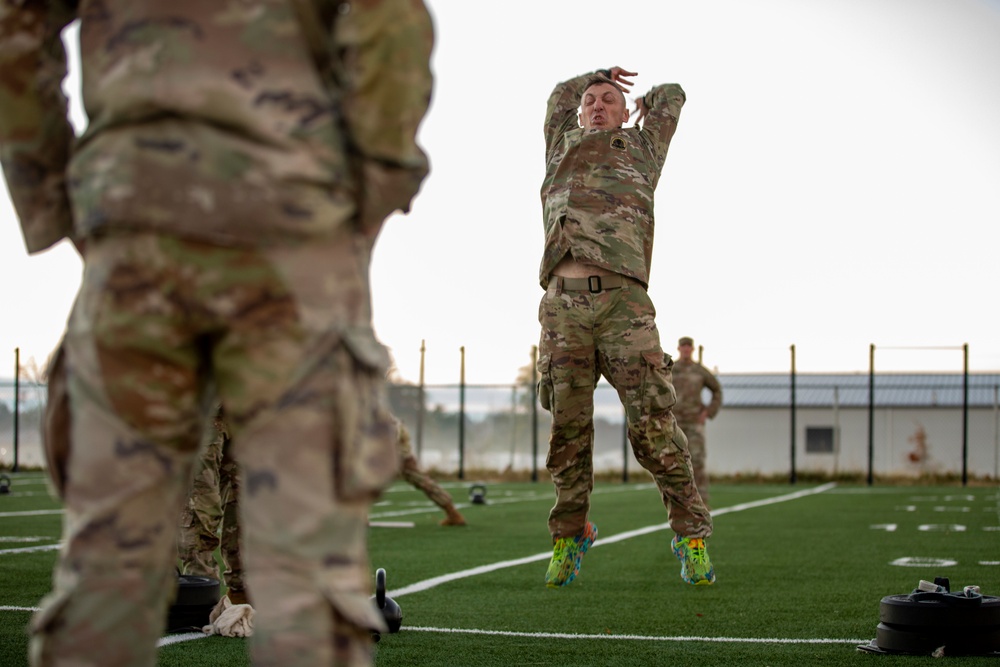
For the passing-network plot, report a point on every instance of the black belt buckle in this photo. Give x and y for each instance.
(594, 284)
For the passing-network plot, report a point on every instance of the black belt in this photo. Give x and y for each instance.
(589, 284)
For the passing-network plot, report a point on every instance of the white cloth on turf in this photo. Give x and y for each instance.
(230, 620)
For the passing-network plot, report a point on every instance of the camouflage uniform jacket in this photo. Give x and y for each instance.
(223, 122)
(597, 195)
(690, 378)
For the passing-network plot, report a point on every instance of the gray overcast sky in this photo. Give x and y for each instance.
(833, 183)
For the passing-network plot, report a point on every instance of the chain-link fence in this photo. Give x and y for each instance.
(917, 423)
(21, 407)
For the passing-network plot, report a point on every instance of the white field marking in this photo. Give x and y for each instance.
(391, 524)
(989, 562)
(942, 508)
(27, 480)
(483, 569)
(27, 494)
(941, 527)
(523, 498)
(28, 550)
(162, 641)
(682, 638)
(922, 561)
(29, 538)
(887, 527)
(178, 638)
(30, 513)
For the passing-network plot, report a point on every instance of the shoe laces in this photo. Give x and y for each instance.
(696, 549)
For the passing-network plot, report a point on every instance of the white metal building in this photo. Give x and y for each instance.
(917, 424)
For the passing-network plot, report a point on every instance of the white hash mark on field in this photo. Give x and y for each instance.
(484, 569)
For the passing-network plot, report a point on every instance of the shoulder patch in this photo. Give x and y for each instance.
(618, 142)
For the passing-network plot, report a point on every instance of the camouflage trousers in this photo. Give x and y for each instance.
(695, 434)
(160, 327)
(415, 476)
(210, 519)
(611, 333)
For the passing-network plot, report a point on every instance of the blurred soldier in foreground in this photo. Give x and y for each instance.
(595, 315)
(238, 165)
(690, 378)
(412, 473)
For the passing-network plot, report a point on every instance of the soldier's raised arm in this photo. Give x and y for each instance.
(386, 84)
(35, 134)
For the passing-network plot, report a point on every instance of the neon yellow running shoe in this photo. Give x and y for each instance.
(567, 556)
(696, 566)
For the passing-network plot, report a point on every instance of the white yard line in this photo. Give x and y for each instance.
(682, 638)
(433, 582)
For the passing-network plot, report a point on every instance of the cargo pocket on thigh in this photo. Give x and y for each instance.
(545, 381)
(353, 602)
(365, 459)
(658, 394)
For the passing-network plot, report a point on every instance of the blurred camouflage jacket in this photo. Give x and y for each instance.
(598, 190)
(690, 378)
(224, 122)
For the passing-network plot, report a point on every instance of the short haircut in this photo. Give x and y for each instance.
(594, 80)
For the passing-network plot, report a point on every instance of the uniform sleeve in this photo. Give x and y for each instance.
(562, 109)
(664, 104)
(35, 133)
(386, 84)
(713, 385)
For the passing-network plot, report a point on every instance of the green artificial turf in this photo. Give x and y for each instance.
(799, 581)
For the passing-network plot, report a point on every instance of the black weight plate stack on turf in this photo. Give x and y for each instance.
(196, 597)
(921, 623)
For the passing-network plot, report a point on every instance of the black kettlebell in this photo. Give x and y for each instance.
(391, 612)
(4, 484)
(477, 494)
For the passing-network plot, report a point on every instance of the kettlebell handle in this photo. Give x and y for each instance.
(380, 587)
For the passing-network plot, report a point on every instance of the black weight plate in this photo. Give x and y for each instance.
(957, 641)
(188, 618)
(196, 591)
(901, 610)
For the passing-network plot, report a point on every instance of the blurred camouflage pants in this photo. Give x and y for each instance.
(159, 320)
(612, 332)
(695, 434)
(212, 508)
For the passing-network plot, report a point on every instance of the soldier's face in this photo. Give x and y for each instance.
(685, 351)
(603, 107)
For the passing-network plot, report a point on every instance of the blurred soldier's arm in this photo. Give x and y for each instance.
(35, 134)
(713, 385)
(386, 82)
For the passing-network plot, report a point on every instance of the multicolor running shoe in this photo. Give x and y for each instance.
(567, 556)
(696, 566)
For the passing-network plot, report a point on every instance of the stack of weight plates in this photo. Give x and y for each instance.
(939, 623)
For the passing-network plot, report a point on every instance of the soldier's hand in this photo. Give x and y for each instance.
(618, 78)
(640, 109)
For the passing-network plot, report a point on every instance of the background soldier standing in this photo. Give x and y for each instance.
(239, 162)
(596, 316)
(690, 378)
(210, 519)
